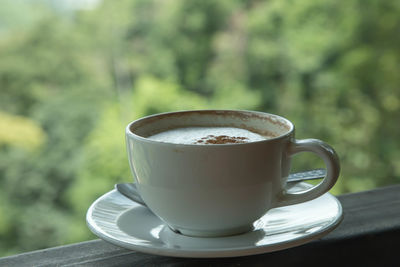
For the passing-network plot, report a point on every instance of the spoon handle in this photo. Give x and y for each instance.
(307, 175)
(130, 191)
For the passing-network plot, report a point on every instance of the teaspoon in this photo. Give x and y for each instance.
(130, 191)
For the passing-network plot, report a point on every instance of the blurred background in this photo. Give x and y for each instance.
(74, 73)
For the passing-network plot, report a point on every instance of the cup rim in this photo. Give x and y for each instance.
(130, 133)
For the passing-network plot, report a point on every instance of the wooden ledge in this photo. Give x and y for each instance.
(369, 235)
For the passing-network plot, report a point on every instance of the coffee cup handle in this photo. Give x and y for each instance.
(331, 160)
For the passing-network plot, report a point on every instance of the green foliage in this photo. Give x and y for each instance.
(70, 81)
(21, 132)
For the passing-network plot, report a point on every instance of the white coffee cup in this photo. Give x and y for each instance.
(220, 189)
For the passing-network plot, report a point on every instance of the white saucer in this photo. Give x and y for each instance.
(124, 223)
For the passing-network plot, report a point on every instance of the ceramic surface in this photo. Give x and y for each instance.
(124, 223)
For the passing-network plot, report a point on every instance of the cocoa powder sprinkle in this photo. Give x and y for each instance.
(222, 139)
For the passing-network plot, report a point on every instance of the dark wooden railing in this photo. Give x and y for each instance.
(369, 235)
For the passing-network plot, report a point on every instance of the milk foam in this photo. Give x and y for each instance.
(194, 135)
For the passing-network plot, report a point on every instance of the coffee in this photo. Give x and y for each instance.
(219, 190)
(207, 135)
